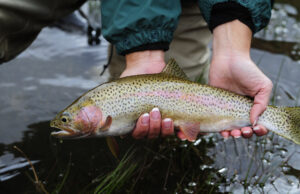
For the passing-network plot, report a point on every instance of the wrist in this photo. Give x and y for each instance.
(232, 39)
(150, 61)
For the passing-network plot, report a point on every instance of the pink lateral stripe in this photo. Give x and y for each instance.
(198, 99)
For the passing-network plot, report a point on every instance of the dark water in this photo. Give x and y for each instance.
(60, 66)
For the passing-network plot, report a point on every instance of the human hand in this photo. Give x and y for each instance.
(232, 69)
(152, 125)
(149, 124)
(241, 75)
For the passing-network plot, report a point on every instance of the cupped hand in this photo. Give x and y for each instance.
(151, 124)
(232, 69)
(239, 74)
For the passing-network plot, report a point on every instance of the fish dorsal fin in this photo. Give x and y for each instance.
(173, 69)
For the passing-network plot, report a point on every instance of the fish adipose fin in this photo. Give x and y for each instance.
(173, 69)
(190, 130)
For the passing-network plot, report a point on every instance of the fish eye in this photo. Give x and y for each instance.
(63, 119)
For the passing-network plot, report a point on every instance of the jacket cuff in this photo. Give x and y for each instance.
(152, 46)
(145, 40)
(228, 11)
(260, 10)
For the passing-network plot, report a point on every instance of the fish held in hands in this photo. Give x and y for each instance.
(112, 108)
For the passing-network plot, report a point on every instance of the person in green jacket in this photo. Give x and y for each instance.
(143, 30)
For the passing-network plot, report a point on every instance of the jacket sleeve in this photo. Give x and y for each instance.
(254, 13)
(133, 25)
(21, 22)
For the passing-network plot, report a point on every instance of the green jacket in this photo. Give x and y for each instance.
(133, 25)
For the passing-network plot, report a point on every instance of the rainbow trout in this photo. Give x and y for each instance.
(112, 108)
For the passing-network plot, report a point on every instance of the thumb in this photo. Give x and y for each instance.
(261, 101)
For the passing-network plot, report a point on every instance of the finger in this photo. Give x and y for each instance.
(142, 126)
(247, 132)
(167, 127)
(155, 123)
(181, 136)
(260, 103)
(236, 133)
(225, 134)
(260, 130)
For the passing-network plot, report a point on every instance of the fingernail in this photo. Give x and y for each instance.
(236, 137)
(145, 119)
(246, 132)
(255, 122)
(167, 123)
(256, 128)
(184, 139)
(155, 113)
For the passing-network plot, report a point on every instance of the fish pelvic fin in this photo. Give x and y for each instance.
(190, 130)
(173, 69)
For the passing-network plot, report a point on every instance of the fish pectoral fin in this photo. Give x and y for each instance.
(107, 124)
(190, 130)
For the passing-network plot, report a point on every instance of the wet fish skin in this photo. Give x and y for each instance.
(112, 108)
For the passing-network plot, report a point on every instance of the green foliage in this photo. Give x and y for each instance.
(115, 180)
(62, 183)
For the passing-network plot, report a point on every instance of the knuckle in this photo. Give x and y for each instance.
(155, 124)
(167, 132)
(138, 136)
(156, 129)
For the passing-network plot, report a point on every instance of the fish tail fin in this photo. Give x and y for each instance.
(286, 122)
(293, 116)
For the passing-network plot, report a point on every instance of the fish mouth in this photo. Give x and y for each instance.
(61, 133)
(64, 132)
(69, 134)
